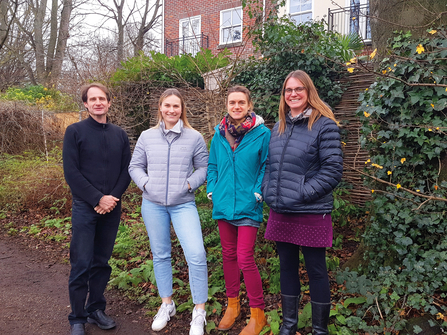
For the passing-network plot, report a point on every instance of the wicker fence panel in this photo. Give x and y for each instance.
(354, 156)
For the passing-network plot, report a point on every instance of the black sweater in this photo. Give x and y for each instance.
(96, 159)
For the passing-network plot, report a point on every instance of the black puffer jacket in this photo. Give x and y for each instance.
(303, 167)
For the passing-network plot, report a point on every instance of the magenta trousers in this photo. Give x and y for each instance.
(238, 245)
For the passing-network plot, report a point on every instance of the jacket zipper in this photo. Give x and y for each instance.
(169, 162)
(281, 162)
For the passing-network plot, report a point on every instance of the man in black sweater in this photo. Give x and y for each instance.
(96, 157)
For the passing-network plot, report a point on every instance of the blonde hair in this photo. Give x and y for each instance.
(168, 93)
(319, 108)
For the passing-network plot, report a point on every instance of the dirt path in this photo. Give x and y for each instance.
(34, 295)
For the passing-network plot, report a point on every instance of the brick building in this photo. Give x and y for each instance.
(189, 25)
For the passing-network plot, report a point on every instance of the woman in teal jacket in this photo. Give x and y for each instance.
(235, 171)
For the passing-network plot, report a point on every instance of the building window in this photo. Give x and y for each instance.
(231, 25)
(190, 35)
(300, 10)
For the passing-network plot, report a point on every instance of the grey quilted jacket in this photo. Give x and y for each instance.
(162, 170)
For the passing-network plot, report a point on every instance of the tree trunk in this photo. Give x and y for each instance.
(145, 27)
(120, 25)
(53, 36)
(64, 26)
(415, 15)
(38, 42)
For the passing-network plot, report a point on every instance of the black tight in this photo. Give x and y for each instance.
(315, 259)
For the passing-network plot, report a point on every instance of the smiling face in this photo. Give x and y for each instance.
(237, 106)
(297, 101)
(171, 110)
(97, 104)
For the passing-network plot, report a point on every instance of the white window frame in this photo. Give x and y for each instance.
(194, 41)
(311, 11)
(222, 27)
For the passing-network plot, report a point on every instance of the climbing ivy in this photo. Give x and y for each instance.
(404, 128)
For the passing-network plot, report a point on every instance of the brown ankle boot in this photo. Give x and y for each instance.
(231, 314)
(256, 323)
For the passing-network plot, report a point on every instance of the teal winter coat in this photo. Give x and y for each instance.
(234, 177)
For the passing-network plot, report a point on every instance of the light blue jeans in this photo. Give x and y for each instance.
(186, 222)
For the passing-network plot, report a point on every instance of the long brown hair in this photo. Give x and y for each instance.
(168, 93)
(319, 108)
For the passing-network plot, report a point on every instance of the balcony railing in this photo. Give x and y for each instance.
(186, 45)
(353, 19)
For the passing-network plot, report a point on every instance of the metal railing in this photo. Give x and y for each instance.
(353, 19)
(186, 45)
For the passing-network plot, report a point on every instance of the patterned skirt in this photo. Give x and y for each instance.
(309, 230)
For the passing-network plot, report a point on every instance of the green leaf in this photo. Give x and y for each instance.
(356, 301)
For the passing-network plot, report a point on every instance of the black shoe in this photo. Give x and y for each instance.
(77, 329)
(100, 318)
(320, 317)
(290, 306)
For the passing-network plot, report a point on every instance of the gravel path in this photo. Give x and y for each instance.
(34, 295)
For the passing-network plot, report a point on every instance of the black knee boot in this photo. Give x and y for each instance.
(320, 317)
(290, 305)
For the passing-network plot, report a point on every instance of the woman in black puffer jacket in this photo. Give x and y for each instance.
(304, 166)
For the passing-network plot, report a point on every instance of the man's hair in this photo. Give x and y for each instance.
(85, 88)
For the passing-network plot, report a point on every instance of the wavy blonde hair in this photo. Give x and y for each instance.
(168, 93)
(319, 107)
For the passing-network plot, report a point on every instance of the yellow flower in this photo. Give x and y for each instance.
(432, 32)
(395, 65)
(373, 54)
(403, 160)
(418, 190)
(353, 18)
(389, 172)
(343, 143)
(353, 60)
(420, 49)
(348, 63)
(372, 191)
(437, 128)
(436, 187)
(366, 114)
(398, 186)
(429, 129)
(432, 105)
(367, 161)
(377, 165)
(446, 89)
(45, 89)
(367, 89)
(350, 69)
(383, 71)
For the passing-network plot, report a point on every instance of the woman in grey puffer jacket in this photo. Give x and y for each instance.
(168, 164)
(304, 166)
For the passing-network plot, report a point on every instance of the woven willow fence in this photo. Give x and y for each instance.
(354, 156)
(135, 108)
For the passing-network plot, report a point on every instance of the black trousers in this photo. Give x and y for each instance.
(315, 259)
(93, 238)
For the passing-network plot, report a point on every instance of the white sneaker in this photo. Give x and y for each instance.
(163, 316)
(198, 322)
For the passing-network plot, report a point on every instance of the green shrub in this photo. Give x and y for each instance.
(287, 47)
(169, 71)
(48, 98)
